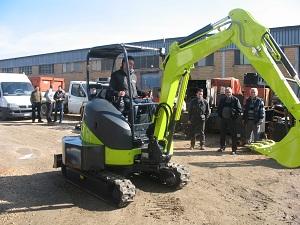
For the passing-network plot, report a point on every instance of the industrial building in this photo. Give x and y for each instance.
(227, 62)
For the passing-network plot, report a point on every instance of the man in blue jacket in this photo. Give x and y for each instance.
(253, 116)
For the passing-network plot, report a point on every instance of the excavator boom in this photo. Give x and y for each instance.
(262, 51)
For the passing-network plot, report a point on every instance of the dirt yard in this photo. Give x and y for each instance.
(244, 189)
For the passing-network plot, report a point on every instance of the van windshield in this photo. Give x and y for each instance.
(16, 88)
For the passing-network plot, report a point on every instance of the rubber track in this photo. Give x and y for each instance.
(184, 175)
(111, 188)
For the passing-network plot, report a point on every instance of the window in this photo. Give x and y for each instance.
(150, 80)
(106, 64)
(240, 58)
(16, 88)
(96, 65)
(7, 70)
(77, 90)
(244, 60)
(25, 69)
(207, 61)
(77, 67)
(72, 67)
(46, 69)
(102, 64)
(237, 57)
(143, 62)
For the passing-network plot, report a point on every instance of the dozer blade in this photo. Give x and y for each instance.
(286, 152)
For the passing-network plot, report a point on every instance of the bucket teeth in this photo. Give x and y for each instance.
(286, 152)
(260, 145)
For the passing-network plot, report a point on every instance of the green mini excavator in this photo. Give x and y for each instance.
(112, 147)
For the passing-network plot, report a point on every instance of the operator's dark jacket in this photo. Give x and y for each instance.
(59, 96)
(118, 82)
(235, 106)
(198, 110)
(259, 112)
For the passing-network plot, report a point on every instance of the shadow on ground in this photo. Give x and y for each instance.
(50, 191)
(150, 184)
(55, 125)
(267, 162)
(197, 152)
(44, 191)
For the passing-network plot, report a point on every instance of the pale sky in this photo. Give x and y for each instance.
(30, 27)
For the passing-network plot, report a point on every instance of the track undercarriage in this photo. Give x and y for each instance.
(114, 187)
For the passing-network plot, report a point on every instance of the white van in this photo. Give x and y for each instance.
(77, 96)
(15, 91)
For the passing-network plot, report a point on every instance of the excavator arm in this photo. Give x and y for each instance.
(262, 51)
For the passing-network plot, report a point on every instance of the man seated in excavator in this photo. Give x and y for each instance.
(118, 92)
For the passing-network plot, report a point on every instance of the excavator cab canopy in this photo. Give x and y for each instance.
(136, 114)
(113, 51)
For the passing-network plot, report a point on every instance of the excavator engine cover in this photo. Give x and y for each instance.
(107, 124)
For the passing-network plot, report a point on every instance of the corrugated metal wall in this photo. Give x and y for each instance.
(285, 36)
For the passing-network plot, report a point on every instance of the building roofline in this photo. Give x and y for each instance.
(38, 59)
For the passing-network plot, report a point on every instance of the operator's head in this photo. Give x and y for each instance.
(228, 92)
(199, 93)
(37, 88)
(130, 63)
(253, 92)
(51, 86)
(59, 88)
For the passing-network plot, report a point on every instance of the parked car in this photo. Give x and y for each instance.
(77, 95)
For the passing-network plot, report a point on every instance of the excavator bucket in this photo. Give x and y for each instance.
(286, 152)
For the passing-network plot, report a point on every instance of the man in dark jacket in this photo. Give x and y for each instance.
(229, 109)
(36, 102)
(59, 98)
(198, 114)
(119, 88)
(253, 116)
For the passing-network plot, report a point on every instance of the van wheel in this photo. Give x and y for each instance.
(3, 116)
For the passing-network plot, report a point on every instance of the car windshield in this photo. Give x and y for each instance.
(96, 87)
(16, 88)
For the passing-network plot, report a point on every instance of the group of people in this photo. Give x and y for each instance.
(53, 99)
(229, 109)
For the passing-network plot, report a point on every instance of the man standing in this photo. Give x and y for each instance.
(229, 109)
(49, 103)
(198, 114)
(59, 98)
(36, 102)
(253, 116)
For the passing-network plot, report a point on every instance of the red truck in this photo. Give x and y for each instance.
(44, 83)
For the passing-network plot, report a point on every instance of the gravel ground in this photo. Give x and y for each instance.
(244, 189)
